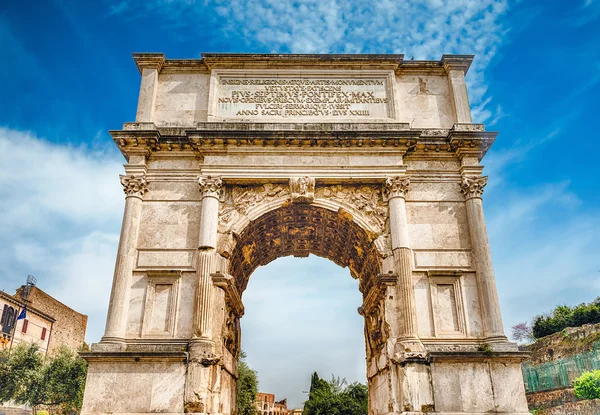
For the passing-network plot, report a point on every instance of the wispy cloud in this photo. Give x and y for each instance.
(61, 209)
(424, 30)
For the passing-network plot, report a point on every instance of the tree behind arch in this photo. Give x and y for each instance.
(247, 387)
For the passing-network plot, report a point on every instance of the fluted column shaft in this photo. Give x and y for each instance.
(472, 188)
(207, 258)
(134, 187)
(395, 191)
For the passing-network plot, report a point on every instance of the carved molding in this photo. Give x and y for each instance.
(377, 291)
(232, 296)
(473, 186)
(362, 198)
(234, 310)
(302, 189)
(239, 199)
(373, 310)
(210, 186)
(395, 186)
(134, 185)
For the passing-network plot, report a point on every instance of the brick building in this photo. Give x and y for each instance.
(49, 323)
(266, 404)
(35, 328)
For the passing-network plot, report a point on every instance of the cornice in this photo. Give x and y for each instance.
(358, 61)
(457, 62)
(149, 60)
(395, 62)
(205, 137)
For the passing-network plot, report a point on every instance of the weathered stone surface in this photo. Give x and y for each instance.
(368, 161)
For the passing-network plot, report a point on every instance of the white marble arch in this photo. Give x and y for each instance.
(433, 327)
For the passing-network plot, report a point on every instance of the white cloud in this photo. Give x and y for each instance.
(61, 210)
(423, 29)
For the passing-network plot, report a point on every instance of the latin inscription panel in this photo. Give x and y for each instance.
(304, 97)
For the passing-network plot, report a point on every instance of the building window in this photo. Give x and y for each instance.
(25, 324)
(44, 333)
(8, 319)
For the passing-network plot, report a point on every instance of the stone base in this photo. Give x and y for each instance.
(128, 383)
(444, 383)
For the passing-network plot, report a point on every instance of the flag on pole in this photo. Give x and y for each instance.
(23, 313)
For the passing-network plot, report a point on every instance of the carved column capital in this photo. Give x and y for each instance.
(395, 186)
(473, 186)
(302, 189)
(210, 186)
(134, 185)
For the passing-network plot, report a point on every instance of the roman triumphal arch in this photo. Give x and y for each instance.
(368, 160)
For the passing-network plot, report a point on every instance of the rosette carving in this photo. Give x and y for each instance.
(473, 186)
(134, 185)
(210, 186)
(395, 186)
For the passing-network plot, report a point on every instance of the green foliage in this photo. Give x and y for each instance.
(57, 382)
(564, 316)
(21, 373)
(247, 387)
(336, 397)
(587, 386)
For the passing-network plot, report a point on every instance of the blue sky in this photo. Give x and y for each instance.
(67, 77)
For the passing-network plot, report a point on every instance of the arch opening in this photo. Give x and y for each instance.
(301, 317)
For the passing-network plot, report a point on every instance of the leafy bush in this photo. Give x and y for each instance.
(336, 397)
(564, 316)
(56, 382)
(587, 386)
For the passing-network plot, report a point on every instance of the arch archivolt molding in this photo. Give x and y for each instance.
(242, 204)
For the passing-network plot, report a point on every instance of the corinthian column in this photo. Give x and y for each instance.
(210, 188)
(395, 191)
(134, 187)
(472, 188)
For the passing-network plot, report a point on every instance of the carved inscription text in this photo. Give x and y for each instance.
(287, 97)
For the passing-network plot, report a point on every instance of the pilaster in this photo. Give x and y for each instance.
(456, 67)
(149, 65)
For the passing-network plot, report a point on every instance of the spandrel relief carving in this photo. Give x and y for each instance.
(237, 200)
(365, 199)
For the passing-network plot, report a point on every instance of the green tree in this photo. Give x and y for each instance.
(64, 381)
(247, 387)
(564, 316)
(21, 373)
(587, 386)
(57, 382)
(336, 397)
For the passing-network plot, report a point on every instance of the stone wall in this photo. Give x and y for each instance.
(556, 361)
(591, 407)
(69, 327)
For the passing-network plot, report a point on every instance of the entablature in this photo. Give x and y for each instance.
(147, 139)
